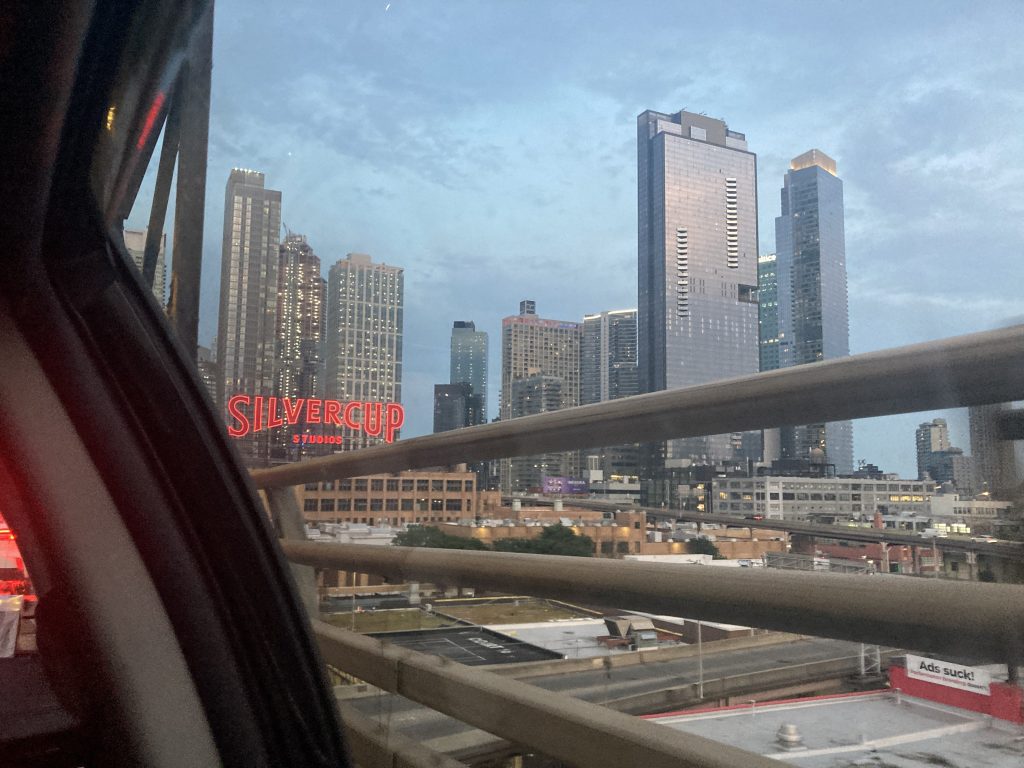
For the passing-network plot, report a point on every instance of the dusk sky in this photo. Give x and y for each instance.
(489, 149)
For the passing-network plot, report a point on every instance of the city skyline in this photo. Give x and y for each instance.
(912, 133)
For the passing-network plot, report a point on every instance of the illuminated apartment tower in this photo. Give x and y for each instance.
(812, 297)
(364, 337)
(300, 318)
(247, 327)
(135, 243)
(697, 245)
(543, 351)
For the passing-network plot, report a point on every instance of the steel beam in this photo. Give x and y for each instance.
(967, 370)
(162, 191)
(290, 524)
(190, 200)
(983, 622)
(568, 729)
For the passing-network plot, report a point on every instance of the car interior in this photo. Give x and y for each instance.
(168, 629)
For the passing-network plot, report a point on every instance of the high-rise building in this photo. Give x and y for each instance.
(530, 395)
(363, 346)
(813, 315)
(532, 346)
(469, 363)
(206, 364)
(768, 310)
(608, 372)
(698, 319)
(455, 406)
(135, 244)
(931, 437)
(300, 317)
(608, 356)
(994, 458)
(247, 326)
(939, 460)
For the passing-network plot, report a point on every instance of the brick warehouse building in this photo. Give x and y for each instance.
(393, 499)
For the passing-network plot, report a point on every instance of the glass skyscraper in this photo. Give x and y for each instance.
(469, 363)
(813, 315)
(768, 310)
(608, 356)
(698, 318)
(608, 372)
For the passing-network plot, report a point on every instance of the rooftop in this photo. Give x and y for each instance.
(882, 728)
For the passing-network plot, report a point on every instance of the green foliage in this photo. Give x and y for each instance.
(428, 536)
(704, 547)
(553, 540)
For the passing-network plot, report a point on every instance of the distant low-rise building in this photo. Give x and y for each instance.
(623, 534)
(809, 498)
(980, 515)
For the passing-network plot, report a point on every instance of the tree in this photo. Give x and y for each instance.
(428, 536)
(553, 540)
(704, 547)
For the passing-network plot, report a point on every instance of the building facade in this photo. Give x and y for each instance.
(809, 498)
(768, 311)
(995, 459)
(548, 353)
(529, 396)
(455, 407)
(608, 368)
(247, 323)
(469, 349)
(300, 320)
(135, 244)
(930, 437)
(940, 461)
(697, 238)
(363, 346)
(393, 499)
(813, 312)
(608, 371)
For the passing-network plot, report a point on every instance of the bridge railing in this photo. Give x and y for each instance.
(983, 621)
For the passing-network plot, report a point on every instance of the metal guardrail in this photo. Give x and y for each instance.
(370, 743)
(976, 369)
(976, 621)
(568, 729)
(984, 622)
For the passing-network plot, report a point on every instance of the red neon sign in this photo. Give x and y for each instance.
(373, 418)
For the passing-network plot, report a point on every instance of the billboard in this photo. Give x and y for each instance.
(569, 485)
(254, 414)
(946, 673)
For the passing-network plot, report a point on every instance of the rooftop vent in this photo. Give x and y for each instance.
(789, 737)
